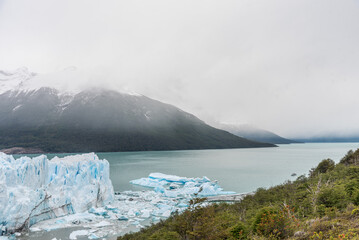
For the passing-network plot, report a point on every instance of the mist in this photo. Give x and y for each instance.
(287, 66)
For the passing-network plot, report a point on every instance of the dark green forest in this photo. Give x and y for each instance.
(57, 139)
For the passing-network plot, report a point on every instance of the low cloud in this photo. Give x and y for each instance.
(287, 66)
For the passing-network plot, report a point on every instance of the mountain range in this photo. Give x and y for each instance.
(255, 134)
(99, 120)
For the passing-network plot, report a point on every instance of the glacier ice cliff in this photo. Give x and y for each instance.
(36, 189)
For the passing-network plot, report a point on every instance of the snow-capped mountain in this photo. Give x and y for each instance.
(98, 120)
(15, 80)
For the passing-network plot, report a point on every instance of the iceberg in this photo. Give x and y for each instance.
(77, 233)
(173, 186)
(37, 189)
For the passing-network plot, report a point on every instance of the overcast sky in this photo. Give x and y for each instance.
(287, 66)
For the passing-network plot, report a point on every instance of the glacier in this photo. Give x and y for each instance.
(75, 191)
(133, 210)
(36, 189)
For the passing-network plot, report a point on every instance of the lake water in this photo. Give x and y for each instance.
(239, 170)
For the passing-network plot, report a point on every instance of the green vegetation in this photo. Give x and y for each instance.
(65, 139)
(324, 205)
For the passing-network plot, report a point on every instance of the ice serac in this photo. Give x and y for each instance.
(35, 189)
(175, 186)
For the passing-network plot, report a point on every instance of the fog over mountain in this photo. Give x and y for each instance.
(287, 66)
(254, 133)
(98, 119)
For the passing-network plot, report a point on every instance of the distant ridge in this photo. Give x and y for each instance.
(329, 139)
(255, 134)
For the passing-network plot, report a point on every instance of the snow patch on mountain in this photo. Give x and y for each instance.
(17, 107)
(15, 80)
(68, 81)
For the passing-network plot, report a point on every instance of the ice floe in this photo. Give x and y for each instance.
(77, 233)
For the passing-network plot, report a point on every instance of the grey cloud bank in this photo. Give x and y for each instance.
(286, 66)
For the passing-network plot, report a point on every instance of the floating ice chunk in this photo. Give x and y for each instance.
(182, 205)
(163, 210)
(98, 211)
(133, 212)
(111, 208)
(36, 189)
(122, 218)
(171, 194)
(60, 221)
(167, 213)
(102, 224)
(35, 229)
(77, 233)
(159, 189)
(168, 178)
(93, 236)
(146, 213)
(135, 222)
(163, 206)
(160, 179)
(172, 186)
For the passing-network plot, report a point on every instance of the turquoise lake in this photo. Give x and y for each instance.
(239, 170)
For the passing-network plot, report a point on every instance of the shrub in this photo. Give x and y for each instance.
(324, 166)
(275, 223)
(239, 231)
(165, 235)
(355, 212)
(320, 227)
(211, 222)
(351, 158)
(321, 210)
(355, 197)
(353, 172)
(351, 186)
(331, 212)
(333, 197)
